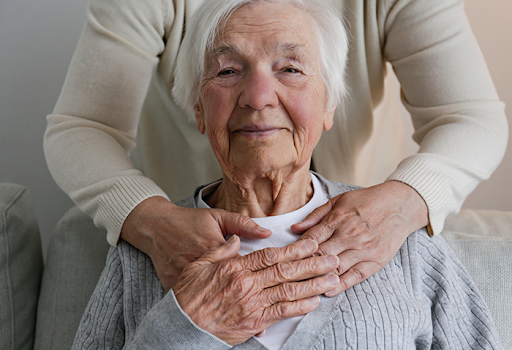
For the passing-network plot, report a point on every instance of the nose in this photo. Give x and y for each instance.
(259, 91)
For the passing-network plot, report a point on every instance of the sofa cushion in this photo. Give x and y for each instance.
(482, 240)
(21, 266)
(76, 257)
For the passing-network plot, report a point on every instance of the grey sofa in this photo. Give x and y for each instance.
(40, 308)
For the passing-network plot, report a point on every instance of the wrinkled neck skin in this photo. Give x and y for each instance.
(263, 194)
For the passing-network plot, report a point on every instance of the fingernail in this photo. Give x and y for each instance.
(314, 300)
(310, 244)
(333, 279)
(330, 293)
(332, 260)
(232, 239)
(262, 333)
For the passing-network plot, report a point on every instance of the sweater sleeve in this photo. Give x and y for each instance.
(102, 324)
(128, 310)
(92, 129)
(167, 326)
(458, 119)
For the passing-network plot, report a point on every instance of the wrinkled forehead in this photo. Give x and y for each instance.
(278, 28)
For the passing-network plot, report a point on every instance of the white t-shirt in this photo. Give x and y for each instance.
(282, 235)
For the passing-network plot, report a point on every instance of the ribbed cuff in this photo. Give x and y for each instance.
(117, 204)
(167, 326)
(431, 185)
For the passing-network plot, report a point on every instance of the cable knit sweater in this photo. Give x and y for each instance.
(423, 299)
(122, 70)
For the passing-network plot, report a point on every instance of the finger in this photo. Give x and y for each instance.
(319, 233)
(356, 274)
(313, 219)
(264, 258)
(336, 245)
(240, 225)
(350, 258)
(300, 290)
(285, 310)
(296, 270)
(228, 250)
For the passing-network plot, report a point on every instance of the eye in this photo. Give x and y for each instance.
(226, 72)
(291, 70)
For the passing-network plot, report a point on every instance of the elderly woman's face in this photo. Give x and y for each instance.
(263, 102)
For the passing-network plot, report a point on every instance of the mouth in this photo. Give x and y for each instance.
(258, 131)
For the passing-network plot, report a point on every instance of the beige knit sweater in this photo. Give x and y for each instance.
(121, 74)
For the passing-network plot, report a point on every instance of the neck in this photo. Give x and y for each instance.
(261, 196)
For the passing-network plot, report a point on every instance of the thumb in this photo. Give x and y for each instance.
(313, 219)
(228, 250)
(240, 225)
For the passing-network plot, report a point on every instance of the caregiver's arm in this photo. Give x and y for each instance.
(92, 129)
(459, 123)
(93, 126)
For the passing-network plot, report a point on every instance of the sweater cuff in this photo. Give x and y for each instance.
(116, 204)
(167, 326)
(432, 186)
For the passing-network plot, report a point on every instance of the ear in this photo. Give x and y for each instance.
(329, 118)
(199, 118)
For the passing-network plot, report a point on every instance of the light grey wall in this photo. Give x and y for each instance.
(37, 40)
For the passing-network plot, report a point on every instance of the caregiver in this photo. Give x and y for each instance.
(119, 81)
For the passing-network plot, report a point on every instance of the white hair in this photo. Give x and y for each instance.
(209, 20)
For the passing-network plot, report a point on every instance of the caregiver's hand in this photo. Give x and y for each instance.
(173, 236)
(235, 298)
(365, 228)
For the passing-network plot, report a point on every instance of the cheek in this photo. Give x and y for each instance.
(217, 110)
(308, 121)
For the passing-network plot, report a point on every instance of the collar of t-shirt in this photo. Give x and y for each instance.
(280, 225)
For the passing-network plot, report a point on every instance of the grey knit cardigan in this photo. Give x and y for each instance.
(423, 299)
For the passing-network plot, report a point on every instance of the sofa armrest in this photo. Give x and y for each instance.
(21, 266)
(482, 240)
(76, 257)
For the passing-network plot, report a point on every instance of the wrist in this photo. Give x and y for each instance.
(413, 204)
(138, 227)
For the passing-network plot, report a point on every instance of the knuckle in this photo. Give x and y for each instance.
(284, 309)
(359, 274)
(316, 212)
(269, 256)
(284, 271)
(322, 251)
(344, 285)
(240, 285)
(340, 270)
(242, 220)
(288, 292)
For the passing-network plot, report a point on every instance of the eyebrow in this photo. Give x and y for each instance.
(282, 47)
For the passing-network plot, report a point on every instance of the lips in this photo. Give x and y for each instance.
(258, 131)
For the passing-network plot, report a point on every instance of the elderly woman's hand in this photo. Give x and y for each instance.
(235, 298)
(173, 236)
(365, 228)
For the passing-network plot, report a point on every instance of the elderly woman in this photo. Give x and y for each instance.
(263, 79)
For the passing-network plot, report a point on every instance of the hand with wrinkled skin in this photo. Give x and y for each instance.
(173, 236)
(235, 298)
(365, 228)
